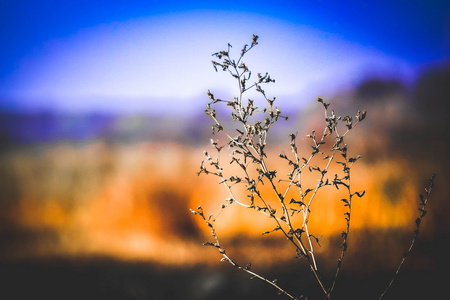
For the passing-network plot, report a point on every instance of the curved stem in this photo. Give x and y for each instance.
(416, 233)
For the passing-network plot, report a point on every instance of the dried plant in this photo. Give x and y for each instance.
(418, 221)
(289, 203)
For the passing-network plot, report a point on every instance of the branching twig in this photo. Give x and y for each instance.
(423, 212)
(248, 149)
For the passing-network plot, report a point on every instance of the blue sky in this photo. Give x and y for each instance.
(152, 56)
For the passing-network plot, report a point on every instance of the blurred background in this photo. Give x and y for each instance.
(102, 133)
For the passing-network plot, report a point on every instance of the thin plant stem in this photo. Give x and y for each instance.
(422, 206)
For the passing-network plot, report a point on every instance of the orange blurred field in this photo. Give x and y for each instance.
(132, 201)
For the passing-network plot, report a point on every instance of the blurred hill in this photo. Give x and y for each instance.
(18, 128)
(423, 106)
